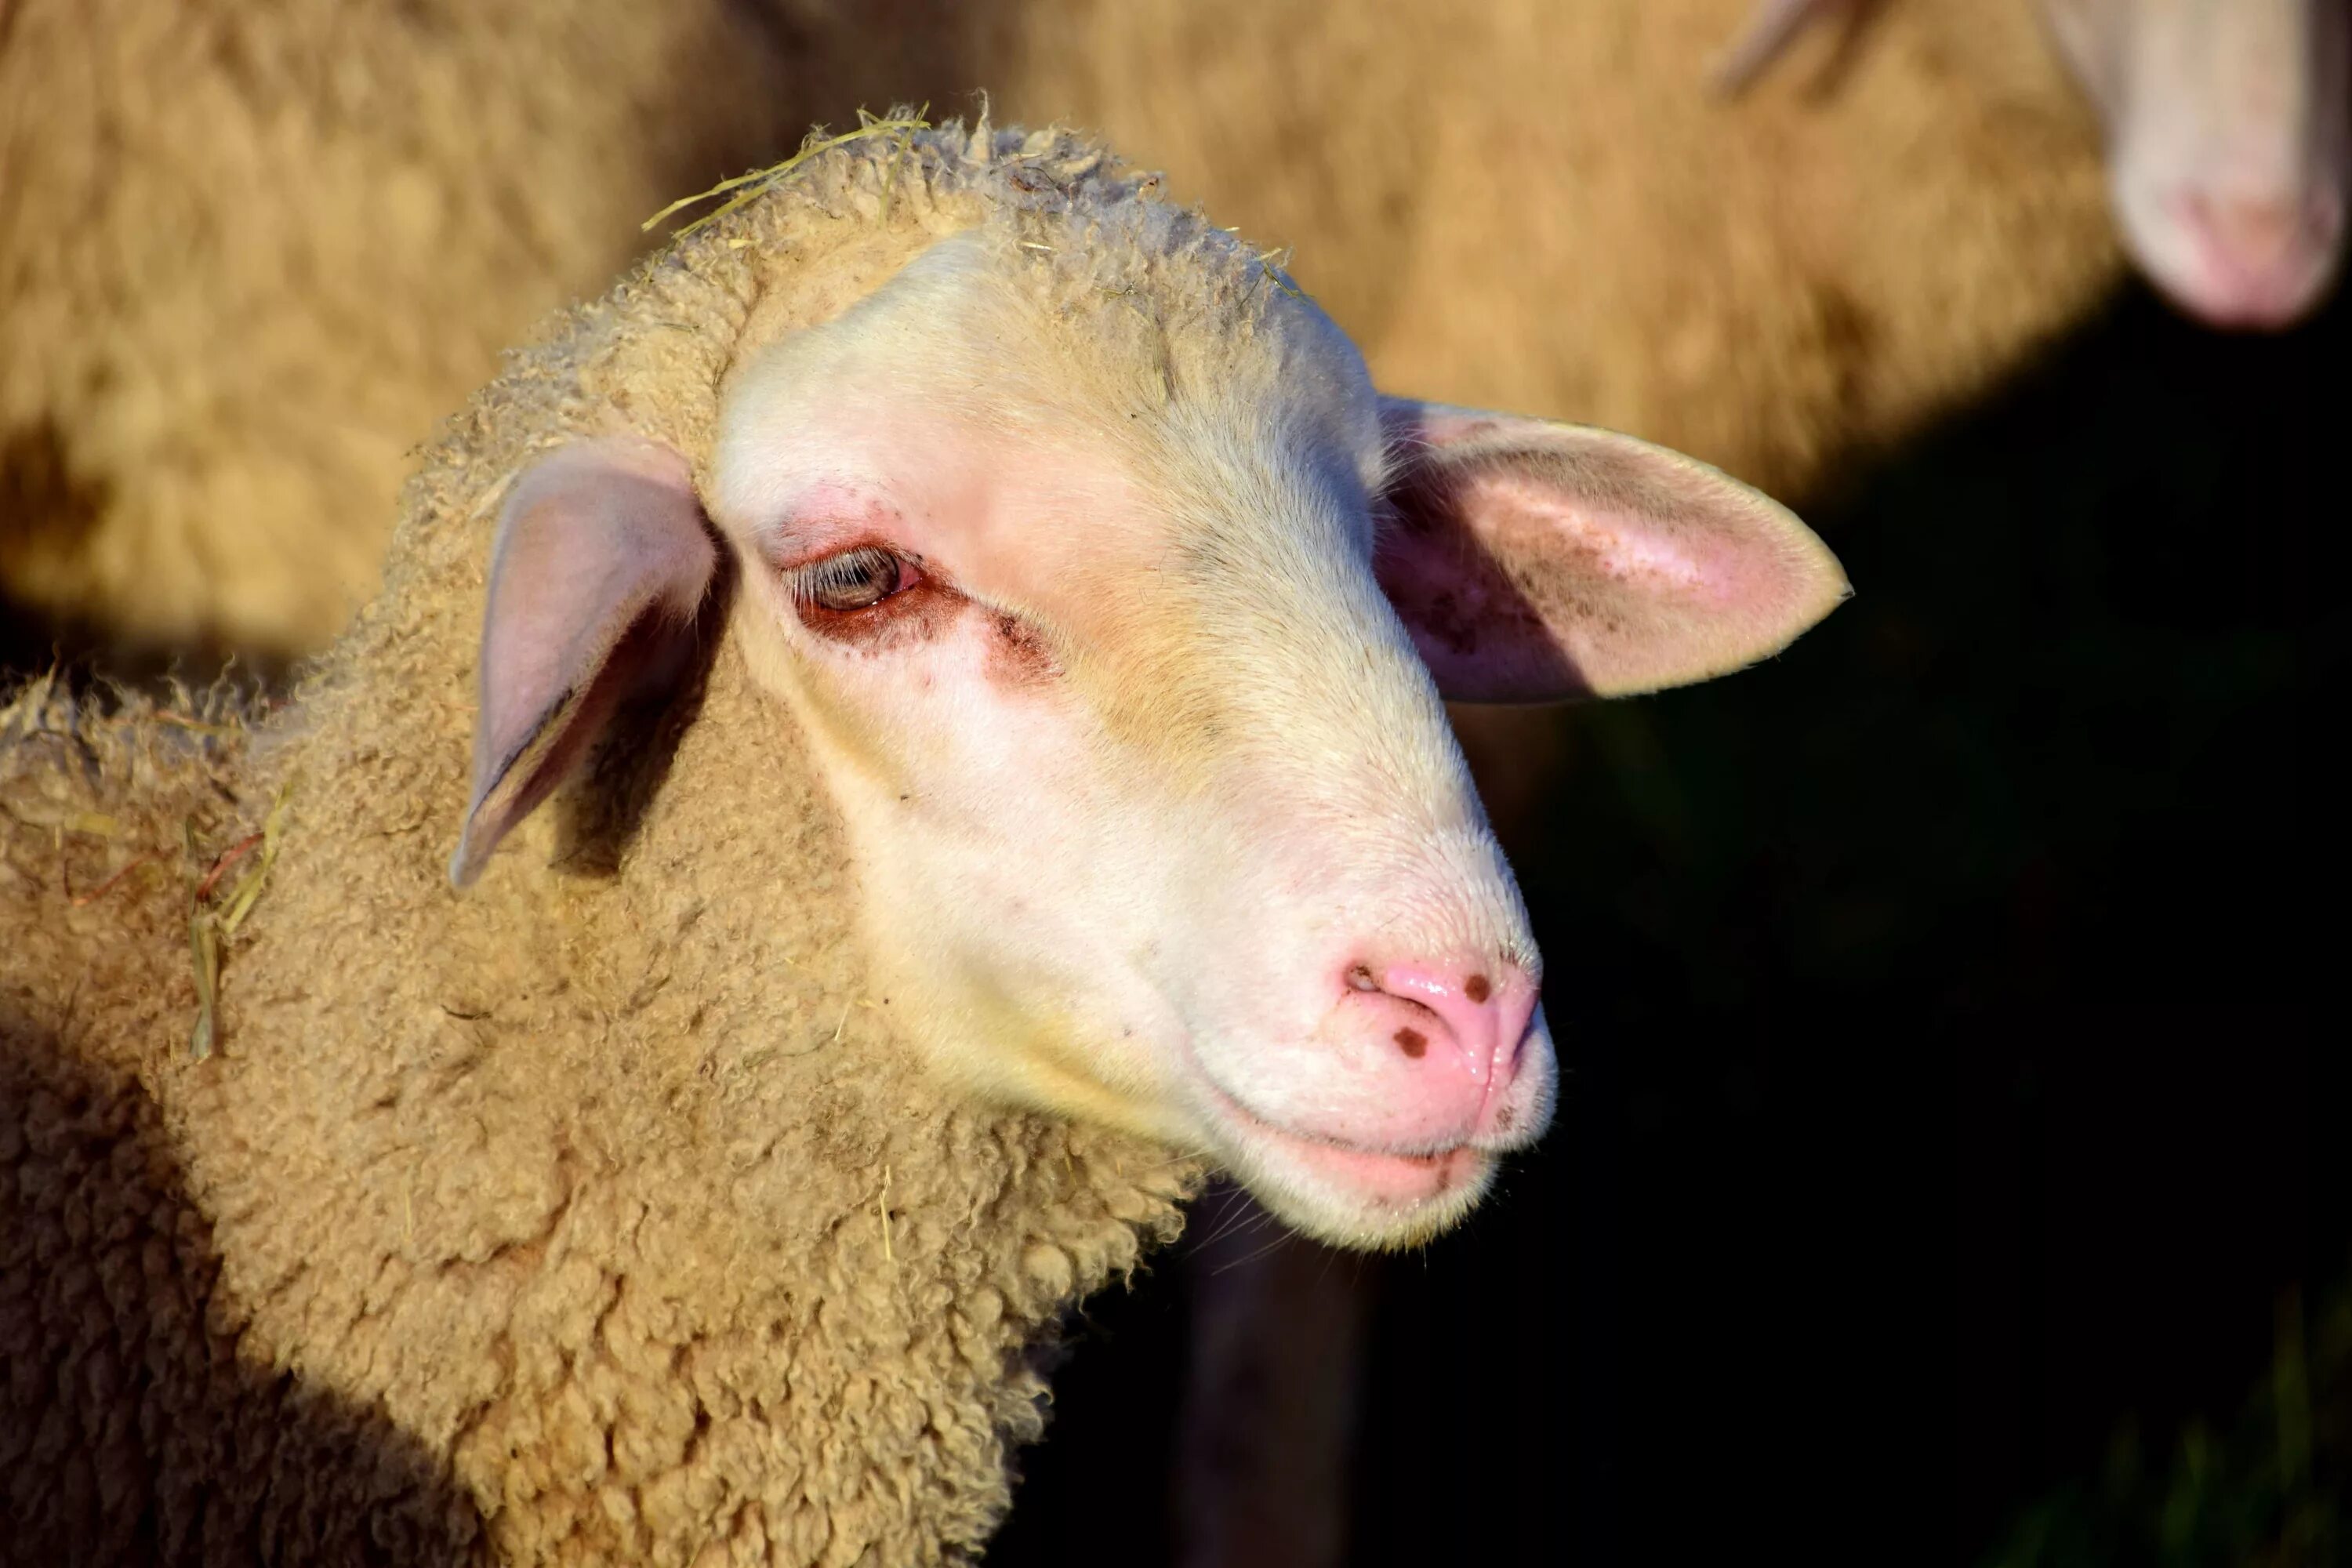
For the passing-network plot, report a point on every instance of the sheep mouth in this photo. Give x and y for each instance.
(1304, 1175)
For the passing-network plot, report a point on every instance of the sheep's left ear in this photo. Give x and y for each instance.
(1534, 561)
(601, 559)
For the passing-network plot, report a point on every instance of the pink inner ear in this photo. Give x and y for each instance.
(1515, 590)
(1477, 629)
(1533, 562)
(601, 562)
(1524, 516)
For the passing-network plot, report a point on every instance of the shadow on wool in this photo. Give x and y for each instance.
(134, 1431)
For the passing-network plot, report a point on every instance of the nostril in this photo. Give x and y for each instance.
(1431, 1051)
(1478, 1016)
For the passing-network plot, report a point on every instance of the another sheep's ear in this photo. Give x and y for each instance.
(601, 559)
(1773, 26)
(1534, 561)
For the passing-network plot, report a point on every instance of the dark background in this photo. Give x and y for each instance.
(1950, 1141)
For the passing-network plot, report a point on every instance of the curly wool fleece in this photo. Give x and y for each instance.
(595, 1215)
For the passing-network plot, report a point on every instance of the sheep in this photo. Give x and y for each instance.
(1773, 283)
(924, 609)
(225, 224)
(2229, 148)
(250, 254)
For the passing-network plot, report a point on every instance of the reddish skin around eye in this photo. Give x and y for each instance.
(918, 610)
(1019, 656)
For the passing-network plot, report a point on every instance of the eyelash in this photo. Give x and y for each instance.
(845, 574)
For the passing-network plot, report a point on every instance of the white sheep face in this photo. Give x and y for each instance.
(1118, 637)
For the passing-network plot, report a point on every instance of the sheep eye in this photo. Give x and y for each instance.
(851, 581)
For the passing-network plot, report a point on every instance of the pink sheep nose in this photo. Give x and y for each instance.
(1454, 1032)
(2254, 234)
(2260, 260)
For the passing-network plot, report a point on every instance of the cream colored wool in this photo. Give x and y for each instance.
(597, 1214)
(248, 254)
(251, 252)
(1541, 206)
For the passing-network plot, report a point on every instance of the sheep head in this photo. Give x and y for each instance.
(2229, 157)
(1119, 627)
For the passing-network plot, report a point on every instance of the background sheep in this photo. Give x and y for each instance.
(2227, 140)
(248, 255)
(1767, 284)
(213, 290)
(656, 1199)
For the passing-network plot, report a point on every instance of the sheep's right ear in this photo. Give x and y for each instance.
(601, 559)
